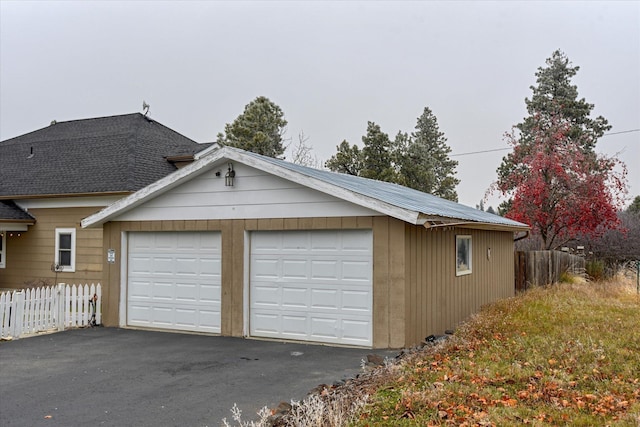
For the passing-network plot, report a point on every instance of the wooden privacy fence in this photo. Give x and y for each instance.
(534, 268)
(49, 308)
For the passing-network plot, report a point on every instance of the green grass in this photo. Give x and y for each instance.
(562, 355)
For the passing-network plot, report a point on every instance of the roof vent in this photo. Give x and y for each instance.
(53, 122)
(30, 154)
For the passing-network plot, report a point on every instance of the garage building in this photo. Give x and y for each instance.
(240, 244)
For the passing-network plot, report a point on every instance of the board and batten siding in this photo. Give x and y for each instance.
(30, 255)
(415, 290)
(254, 194)
(388, 272)
(437, 299)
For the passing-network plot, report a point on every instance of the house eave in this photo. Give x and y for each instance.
(61, 195)
(15, 225)
(440, 222)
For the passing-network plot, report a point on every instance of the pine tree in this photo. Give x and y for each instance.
(348, 159)
(555, 102)
(260, 129)
(377, 162)
(419, 160)
(426, 165)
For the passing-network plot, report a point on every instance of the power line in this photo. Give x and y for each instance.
(622, 131)
(479, 152)
(504, 149)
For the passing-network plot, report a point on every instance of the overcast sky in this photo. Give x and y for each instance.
(331, 67)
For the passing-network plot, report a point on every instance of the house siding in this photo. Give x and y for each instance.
(388, 273)
(255, 194)
(30, 255)
(437, 299)
(415, 290)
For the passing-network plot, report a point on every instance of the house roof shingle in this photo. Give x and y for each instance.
(107, 154)
(9, 211)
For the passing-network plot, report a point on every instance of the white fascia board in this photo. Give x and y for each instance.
(67, 202)
(200, 154)
(150, 191)
(14, 226)
(324, 187)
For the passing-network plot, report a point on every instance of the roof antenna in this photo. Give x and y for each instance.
(145, 108)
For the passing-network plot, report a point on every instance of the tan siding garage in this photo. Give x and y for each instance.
(312, 286)
(174, 281)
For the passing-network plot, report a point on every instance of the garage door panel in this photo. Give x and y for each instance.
(139, 264)
(266, 296)
(356, 330)
(161, 265)
(162, 315)
(293, 242)
(209, 319)
(185, 317)
(266, 323)
(139, 313)
(163, 291)
(294, 268)
(325, 299)
(323, 327)
(324, 269)
(266, 268)
(174, 280)
(325, 241)
(210, 267)
(295, 297)
(306, 285)
(187, 266)
(186, 292)
(210, 294)
(294, 324)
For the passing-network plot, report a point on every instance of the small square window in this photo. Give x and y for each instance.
(463, 255)
(65, 256)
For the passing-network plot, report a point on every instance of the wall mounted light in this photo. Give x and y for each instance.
(228, 178)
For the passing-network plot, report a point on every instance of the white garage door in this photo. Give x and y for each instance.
(174, 280)
(312, 286)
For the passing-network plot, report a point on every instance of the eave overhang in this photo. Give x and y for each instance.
(15, 225)
(57, 196)
(440, 222)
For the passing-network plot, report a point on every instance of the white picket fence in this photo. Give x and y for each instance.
(49, 308)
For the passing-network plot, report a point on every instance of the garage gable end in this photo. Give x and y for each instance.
(254, 194)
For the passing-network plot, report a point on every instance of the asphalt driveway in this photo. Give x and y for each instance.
(118, 377)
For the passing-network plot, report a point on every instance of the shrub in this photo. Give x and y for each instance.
(595, 269)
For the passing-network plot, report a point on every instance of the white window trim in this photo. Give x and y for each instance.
(469, 269)
(3, 249)
(72, 231)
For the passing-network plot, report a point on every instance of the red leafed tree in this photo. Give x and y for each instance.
(558, 187)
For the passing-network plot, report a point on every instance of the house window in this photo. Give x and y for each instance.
(66, 249)
(3, 251)
(463, 255)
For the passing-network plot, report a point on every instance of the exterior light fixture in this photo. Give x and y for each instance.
(228, 178)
